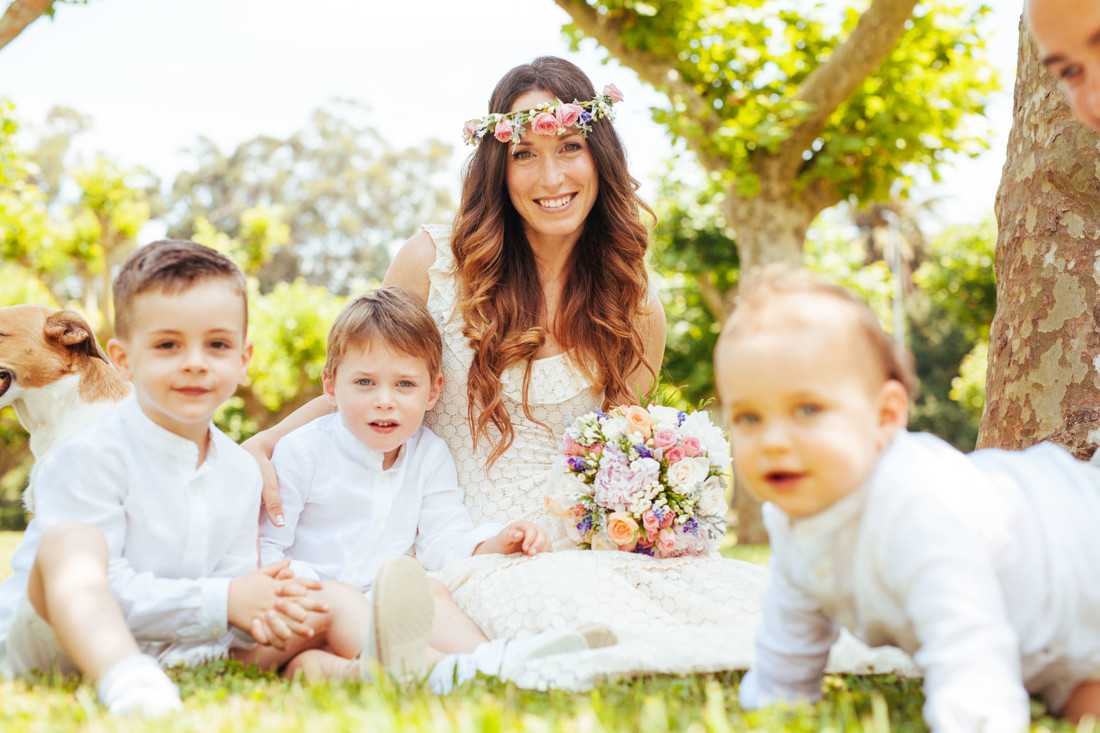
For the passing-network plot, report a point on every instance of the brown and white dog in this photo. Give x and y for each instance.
(55, 375)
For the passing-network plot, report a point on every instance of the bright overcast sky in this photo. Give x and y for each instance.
(156, 74)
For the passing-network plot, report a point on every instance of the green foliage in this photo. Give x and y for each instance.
(747, 61)
(959, 277)
(342, 193)
(968, 389)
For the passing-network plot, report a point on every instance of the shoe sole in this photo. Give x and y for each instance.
(403, 612)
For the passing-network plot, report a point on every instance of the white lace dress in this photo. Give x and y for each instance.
(672, 615)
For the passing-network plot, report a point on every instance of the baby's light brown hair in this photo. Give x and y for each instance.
(759, 308)
(170, 266)
(392, 317)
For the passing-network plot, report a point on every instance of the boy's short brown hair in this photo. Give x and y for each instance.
(170, 266)
(757, 309)
(393, 317)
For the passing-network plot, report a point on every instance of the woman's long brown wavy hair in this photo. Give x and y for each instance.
(606, 288)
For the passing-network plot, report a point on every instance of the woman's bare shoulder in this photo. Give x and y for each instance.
(410, 265)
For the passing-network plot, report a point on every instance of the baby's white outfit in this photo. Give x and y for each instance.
(177, 535)
(986, 568)
(346, 516)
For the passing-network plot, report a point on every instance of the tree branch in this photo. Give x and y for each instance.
(833, 82)
(19, 15)
(656, 71)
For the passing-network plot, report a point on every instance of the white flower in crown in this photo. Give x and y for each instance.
(553, 117)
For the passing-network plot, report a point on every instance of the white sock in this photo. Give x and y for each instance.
(138, 686)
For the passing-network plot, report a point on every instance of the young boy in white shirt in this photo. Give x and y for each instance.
(143, 548)
(368, 483)
(981, 566)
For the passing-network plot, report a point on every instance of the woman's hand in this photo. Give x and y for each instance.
(519, 536)
(258, 448)
(262, 445)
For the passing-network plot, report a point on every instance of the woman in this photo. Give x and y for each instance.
(542, 298)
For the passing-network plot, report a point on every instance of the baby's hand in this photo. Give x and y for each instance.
(519, 536)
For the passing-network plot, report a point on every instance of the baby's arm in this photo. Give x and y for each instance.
(518, 536)
(968, 650)
(792, 643)
(445, 531)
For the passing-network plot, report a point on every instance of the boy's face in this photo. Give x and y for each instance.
(808, 417)
(1068, 35)
(382, 395)
(185, 354)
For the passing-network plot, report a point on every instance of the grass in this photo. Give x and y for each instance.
(223, 696)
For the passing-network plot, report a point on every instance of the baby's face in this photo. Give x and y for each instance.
(1068, 35)
(806, 413)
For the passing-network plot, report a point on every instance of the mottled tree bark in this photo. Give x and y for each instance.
(1043, 381)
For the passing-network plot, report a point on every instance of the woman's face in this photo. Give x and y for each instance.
(552, 180)
(1068, 35)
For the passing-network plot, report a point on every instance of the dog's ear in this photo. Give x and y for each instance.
(69, 329)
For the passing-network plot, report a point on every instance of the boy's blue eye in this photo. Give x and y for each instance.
(406, 383)
(363, 382)
(744, 419)
(808, 410)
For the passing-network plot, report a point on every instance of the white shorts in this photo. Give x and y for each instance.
(32, 645)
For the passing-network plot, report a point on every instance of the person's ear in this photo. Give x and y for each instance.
(246, 359)
(893, 408)
(437, 388)
(328, 381)
(116, 350)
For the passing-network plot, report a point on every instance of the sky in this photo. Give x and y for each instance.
(154, 75)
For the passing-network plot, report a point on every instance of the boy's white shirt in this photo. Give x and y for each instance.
(177, 534)
(983, 567)
(346, 516)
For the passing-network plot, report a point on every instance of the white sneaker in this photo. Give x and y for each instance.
(138, 686)
(518, 652)
(401, 621)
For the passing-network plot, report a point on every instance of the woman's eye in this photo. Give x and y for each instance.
(1069, 72)
(521, 155)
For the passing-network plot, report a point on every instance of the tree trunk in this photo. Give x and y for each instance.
(768, 228)
(18, 16)
(1044, 344)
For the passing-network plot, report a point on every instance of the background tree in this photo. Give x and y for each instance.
(344, 193)
(791, 112)
(21, 13)
(1044, 343)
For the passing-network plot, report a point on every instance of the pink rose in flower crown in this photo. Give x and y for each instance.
(503, 131)
(664, 438)
(545, 124)
(666, 541)
(622, 530)
(471, 128)
(569, 446)
(692, 447)
(613, 91)
(639, 421)
(567, 114)
(675, 454)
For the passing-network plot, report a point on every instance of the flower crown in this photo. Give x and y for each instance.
(549, 118)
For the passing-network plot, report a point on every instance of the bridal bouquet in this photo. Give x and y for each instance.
(642, 479)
